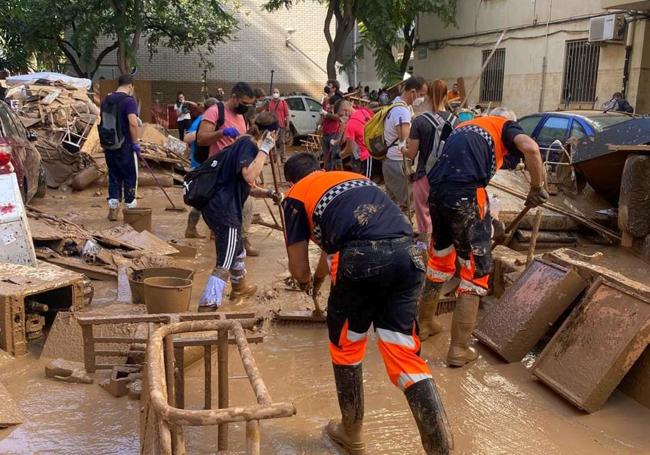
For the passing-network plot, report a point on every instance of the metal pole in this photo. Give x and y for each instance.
(271, 84)
(207, 366)
(253, 437)
(222, 372)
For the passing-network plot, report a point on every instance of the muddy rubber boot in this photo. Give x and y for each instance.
(113, 213)
(431, 418)
(250, 251)
(462, 325)
(427, 307)
(348, 432)
(242, 289)
(192, 220)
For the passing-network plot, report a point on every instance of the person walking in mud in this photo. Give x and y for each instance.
(461, 218)
(376, 275)
(241, 163)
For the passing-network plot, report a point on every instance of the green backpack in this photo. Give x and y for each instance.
(373, 132)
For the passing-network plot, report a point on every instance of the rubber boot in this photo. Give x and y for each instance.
(462, 325)
(192, 220)
(427, 321)
(431, 418)
(250, 251)
(242, 289)
(348, 432)
(113, 213)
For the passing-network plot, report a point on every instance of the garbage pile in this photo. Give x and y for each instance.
(59, 111)
(62, 116)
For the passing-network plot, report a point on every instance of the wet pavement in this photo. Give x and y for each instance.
(493, 407)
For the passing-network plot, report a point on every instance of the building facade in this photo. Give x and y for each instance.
(289, 42)
(545, 60)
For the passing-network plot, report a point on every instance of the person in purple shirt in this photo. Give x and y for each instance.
(122, 164)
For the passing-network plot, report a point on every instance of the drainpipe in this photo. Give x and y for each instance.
(629, 41)
(545, 59)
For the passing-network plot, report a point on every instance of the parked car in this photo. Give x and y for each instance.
(547, 127)
(16, 145)
(304, 115)
(593, 130)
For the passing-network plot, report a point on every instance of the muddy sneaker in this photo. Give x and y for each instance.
(250, 250)
(192, 233)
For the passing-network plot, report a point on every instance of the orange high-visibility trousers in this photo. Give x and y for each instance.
(462, 230)
(378, 284)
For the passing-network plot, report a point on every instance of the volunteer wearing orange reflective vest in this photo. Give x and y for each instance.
(378, 279)
(462, 225)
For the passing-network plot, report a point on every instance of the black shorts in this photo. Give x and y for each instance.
(377, 282)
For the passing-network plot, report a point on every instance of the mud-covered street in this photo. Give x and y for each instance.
(493, 407)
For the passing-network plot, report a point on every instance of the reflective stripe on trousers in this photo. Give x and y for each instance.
(399, 351)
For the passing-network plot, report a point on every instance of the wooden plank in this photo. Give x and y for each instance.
(629, 148)
(91, 271)
(126, 340)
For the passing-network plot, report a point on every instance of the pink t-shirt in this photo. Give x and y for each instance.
(354, 130)
(232, 120)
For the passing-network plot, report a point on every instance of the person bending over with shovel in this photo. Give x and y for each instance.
(241, 163)
(378, 278)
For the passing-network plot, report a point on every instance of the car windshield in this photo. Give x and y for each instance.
(602, 121)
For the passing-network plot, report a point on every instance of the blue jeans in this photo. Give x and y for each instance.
(122, 174)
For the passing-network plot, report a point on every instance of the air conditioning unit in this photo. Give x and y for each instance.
(607, 28)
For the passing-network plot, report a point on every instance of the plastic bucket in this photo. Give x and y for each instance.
(137, 277)
(139, 218)
(165, 294)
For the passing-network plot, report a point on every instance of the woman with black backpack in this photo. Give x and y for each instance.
(219, 188)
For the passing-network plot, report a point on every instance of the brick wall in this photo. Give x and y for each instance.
(259, 46)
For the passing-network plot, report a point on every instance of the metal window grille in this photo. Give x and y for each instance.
(580, 71)
(492, 77)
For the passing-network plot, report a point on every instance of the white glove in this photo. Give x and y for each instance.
(267, 144)
(213, 292)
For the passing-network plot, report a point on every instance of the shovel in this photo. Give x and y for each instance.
(173, 208)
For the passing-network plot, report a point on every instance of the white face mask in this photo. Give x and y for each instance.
(418, 101)
(276, 95)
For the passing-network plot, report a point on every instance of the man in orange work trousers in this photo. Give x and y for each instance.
(377, 281)
(461, 219)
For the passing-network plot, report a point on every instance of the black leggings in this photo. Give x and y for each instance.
(183, 126)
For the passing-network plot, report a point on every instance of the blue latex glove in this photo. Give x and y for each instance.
(230, 132)
(136, 148)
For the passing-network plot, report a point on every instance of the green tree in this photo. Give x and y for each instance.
(346, 13)
(76, 28)
(387, 25)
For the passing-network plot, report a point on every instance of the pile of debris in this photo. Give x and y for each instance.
(64, 118)
(96, 254)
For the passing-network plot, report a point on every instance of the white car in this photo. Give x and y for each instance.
(304, 115)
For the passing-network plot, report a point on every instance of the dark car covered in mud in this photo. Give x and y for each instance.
(591, 133)
(17, 147)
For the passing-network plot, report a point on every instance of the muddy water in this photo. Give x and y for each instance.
(494, 408)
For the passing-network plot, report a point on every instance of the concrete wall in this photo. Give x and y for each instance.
(457, 52)
(258, 47)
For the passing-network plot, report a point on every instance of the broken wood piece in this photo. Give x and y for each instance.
(535, 234)
(10, 413)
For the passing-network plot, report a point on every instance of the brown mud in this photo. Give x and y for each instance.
(493, 407)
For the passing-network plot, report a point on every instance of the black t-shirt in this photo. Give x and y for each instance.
(361, 213)
(423, 131)
(225, 208)
(467, 157)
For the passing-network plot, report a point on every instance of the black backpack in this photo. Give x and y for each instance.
(200, 184)
(203, 151)
(111, 136)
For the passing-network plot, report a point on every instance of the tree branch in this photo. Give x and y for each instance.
(101, 56)
(71, 58)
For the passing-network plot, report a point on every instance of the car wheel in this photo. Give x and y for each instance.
(289, 136)
(41, 191)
